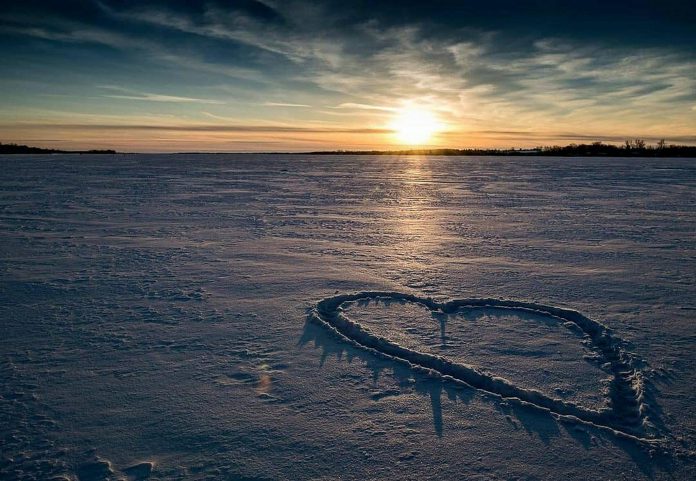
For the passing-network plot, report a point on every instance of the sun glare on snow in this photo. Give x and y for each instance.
(415, 126)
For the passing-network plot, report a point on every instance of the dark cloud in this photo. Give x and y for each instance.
(198, 10)
(212, 27)
(637, 22)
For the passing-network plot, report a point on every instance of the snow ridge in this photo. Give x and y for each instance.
(629, 414)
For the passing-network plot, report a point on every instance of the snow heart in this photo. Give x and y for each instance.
(628, 415)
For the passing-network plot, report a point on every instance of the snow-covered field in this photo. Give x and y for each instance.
(161, 318)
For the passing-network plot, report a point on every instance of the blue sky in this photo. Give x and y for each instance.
(291, 75)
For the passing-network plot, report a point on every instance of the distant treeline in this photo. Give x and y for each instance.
(25, 149)
(631, 148)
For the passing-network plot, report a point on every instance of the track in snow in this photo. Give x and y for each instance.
(629, 414)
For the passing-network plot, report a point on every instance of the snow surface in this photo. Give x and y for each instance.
(499, 342)
(156, 316)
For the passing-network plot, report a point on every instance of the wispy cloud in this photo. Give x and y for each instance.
(283, 104)
(546, 136)
(203, 128)
(162, 98)
(129, 94)
(358, 106)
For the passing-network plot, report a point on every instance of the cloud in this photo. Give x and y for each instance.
(283, 104)
(358, 106)
(162, 98)
(545, 136)
(202, 128)
(128, 94)
(542, 67)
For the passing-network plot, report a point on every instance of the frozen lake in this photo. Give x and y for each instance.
(156, 317)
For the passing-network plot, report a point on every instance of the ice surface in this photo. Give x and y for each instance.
(155, 314)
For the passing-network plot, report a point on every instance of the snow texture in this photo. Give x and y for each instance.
(287, 317)
(628, 415)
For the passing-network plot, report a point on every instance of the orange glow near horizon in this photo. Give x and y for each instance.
(400, 129)
(413, 126)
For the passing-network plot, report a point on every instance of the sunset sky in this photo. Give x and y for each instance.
(289, 75)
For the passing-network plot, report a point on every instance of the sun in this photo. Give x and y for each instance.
(414, 126)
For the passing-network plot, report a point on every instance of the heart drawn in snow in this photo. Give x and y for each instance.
(628, 414)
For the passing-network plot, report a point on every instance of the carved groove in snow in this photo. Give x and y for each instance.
(628, 416)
